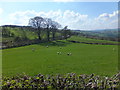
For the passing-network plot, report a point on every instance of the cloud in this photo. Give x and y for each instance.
(107, 20)
(67, 17)
(1, 11)
(21, 18)
(73, 20)
(107, 16)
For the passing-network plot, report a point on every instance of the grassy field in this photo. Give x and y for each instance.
(85, 59)
(89, 40)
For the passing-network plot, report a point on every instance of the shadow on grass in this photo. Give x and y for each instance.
(55, 43)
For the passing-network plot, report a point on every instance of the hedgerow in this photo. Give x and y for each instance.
(60, 82)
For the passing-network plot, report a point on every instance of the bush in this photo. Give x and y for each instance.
(17, 39)
(68, 81)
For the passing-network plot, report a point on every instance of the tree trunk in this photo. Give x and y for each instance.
(53, 34)
(39, 34)
(48, 34)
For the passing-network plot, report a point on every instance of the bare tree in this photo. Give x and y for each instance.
(51, 26)
(48, 23)
(66, 32)
(54, 26)
(38, 23)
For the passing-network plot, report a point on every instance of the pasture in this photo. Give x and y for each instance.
(85, 59)
(89, 40)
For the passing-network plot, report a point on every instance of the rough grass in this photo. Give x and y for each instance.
(85, 59)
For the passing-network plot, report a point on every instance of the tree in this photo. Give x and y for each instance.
(51, 26)
(48, 23)
(66, 32)
(54, 26)
(38, 23)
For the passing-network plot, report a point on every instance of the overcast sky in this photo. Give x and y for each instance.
(76, 15)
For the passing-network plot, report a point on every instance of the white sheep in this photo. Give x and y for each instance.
(33, 49)
(58, 53)
(69, 54)
(113, 49)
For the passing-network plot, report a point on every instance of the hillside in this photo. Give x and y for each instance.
(14, 36)
(81, 39)
(107, 34)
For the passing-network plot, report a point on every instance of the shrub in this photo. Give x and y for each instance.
(68, 81)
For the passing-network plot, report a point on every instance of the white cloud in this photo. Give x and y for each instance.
(107, 16)
(107, 20)
(73, 20)
(1, 11)
(21, 18)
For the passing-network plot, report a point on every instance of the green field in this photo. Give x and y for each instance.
(85, 59)
(89, 40)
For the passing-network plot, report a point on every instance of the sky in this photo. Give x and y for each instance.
(75, 15)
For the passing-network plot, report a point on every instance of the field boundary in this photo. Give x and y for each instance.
(92, 43)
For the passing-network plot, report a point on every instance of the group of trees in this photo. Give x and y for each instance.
(39, 24)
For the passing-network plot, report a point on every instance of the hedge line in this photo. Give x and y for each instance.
(70, 81)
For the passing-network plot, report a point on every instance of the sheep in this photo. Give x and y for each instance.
(46, 46)
(58, 53)
(33, 49)
(113, 49)
(69, 54)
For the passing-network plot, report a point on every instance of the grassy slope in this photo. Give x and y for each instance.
(87, 59)
(22, 33)
(83, 39)
(18, 32)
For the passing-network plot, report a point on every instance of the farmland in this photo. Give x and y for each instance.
(89, 40)
(85, 59)
(59, 45)
(24, 55)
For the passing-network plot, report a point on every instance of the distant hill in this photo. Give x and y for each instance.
(103, 33)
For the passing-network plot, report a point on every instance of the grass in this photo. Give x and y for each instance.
(83, 39)
(21, 33)
(18, 32)
(85, 59)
